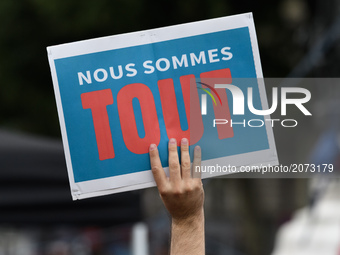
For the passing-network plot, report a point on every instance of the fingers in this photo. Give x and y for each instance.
(177, 171)
(196, 164)
(174, 167)
(156, 167)
(185, 159)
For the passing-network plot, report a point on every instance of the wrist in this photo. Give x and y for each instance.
(192, 219)
(187, 235)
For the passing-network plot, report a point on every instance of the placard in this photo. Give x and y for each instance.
(116, 95)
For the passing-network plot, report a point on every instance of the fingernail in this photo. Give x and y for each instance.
(184, 141)
(153, 147)
(197, 148)
(172, 141)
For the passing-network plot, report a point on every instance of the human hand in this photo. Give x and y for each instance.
(182, 195)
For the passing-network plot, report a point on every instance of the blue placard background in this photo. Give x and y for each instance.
(79, 124)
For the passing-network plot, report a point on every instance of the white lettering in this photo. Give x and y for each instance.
(82, 77)
(225, 52)
(167, 64)
(150, 68)
(212, 56)
(120, 70)
(129, 68)
(96, 77)
(198, 60)
(183, 61)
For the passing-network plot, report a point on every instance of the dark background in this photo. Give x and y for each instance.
(286, 31)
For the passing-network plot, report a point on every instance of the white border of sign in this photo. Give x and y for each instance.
(145, 179)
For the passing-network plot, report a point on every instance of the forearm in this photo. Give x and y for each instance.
(187, 236)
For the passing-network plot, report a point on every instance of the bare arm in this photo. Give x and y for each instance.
(183, 197)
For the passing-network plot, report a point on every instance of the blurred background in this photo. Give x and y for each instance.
(297, 38)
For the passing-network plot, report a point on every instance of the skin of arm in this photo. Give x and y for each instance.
(183, 197)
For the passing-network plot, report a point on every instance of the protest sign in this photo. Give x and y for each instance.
(116, 95)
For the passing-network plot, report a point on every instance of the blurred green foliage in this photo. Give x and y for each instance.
(28, 26)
